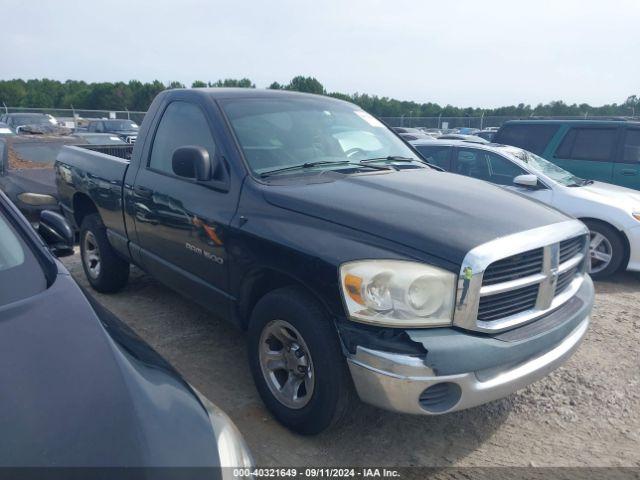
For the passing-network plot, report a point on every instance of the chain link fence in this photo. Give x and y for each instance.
(480, 122)
(441, 122)
(72, 115)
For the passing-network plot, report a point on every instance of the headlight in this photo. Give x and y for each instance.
(232, 449)
(636, 215)
(37, 199)
(398, 293)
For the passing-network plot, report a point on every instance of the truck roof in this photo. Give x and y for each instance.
(226, 93)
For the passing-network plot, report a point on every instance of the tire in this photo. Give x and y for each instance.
(608, 242)
(326, 397)
(105, 270)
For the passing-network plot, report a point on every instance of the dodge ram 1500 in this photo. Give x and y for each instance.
(354, 266)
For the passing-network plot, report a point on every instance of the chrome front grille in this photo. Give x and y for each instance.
(570, 248)
(514, 267)
(507, 303)
(518, 278)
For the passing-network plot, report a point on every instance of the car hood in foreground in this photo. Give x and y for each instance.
(33, 180)
(79, 389)
(439, 213)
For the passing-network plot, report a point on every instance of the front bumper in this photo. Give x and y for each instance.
(633, 235)
(409, 384)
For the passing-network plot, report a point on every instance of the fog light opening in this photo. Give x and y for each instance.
(440, 397)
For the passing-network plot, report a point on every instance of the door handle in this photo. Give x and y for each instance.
(143, 191)
(629, 172)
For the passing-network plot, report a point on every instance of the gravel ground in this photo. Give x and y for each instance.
(586, 413)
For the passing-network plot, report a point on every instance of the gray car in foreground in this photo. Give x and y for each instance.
(78, 389)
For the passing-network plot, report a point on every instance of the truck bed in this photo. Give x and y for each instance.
(96, 172)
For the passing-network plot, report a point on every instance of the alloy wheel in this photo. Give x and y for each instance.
(286, 364)
(600, 251)
(91, 255)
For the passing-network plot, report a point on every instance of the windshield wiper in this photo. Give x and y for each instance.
(580, 183)
(392, 158)
(306, 165)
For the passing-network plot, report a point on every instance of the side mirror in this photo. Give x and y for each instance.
(527, 180)
(56, 233)
(192, 162)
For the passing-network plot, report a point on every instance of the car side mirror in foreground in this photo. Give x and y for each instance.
(56, 233)
(192, 162)
(528, 180)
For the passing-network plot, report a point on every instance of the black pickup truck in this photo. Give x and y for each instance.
(354, 266)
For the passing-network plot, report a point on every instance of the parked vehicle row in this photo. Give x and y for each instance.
(356, 269)
(604, 150)
(34, 123)
(42, 123)
(611, 213)
(126, 130)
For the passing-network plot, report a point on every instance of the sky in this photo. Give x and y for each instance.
(480, 53)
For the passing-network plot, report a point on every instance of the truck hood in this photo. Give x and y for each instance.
(607, 194)
(442, 214)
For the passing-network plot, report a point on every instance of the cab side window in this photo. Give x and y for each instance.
(631, 153)
(182, 124)
(594, 144)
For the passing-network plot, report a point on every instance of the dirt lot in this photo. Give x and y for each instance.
(586, 413)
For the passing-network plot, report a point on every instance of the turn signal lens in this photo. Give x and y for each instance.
(353, 286)
(636, 215)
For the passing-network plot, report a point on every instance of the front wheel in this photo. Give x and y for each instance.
(606, 249)
(105, 270)
(297, 363)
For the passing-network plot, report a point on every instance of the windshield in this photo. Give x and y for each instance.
(120, 125)
(20, 274)
(278, 133)
(547, 168)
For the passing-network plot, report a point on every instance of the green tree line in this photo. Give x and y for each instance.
(137, 96)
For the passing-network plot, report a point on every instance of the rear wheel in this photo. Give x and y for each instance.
(297, 363)
(606, 249)
(105, 270)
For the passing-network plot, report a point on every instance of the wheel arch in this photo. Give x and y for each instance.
(82, 206)
(621, 234)
(260, 281)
